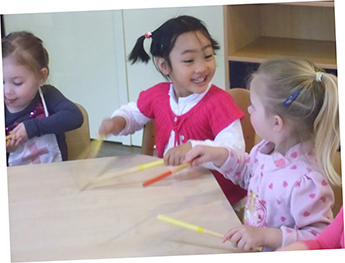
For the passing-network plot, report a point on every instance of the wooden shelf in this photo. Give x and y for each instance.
(256, 32)
(316, 3)
(322, 53)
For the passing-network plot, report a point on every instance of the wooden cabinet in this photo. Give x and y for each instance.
(255, 32)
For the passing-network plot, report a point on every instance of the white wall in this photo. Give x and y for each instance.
(86, 57)
(88, 52)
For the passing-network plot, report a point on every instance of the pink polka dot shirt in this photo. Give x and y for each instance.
(286, 192)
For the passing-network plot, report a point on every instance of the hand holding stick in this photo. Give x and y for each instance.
(199, 229)
(8, 137)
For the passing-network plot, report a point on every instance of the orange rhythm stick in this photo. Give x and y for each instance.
(165, 174)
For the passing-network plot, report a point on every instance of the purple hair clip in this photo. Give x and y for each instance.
(291, 99)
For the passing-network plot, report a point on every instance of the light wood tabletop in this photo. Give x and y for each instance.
(53, 218)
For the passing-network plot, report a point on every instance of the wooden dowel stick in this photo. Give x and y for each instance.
(165, 174)
(95, 147)
(124, 172)
(9, 137)
(179, 223)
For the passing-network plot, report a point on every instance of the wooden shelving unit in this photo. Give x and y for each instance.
(255, 32)
(316, 3)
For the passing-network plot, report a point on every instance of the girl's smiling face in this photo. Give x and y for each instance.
(192, 64)
(20, 84)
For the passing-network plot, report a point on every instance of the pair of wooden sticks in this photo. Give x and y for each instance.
(96, 146)
(142, 167)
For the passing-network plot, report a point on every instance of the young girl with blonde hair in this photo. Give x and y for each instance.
(294, 109)
(37, 115)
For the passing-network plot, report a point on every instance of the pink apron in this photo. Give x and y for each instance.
(42, 149)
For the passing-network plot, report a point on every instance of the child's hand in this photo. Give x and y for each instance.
(12, 144)
(250, 238)
(18, 136)
(112, 126)
(20, 132)
(176, 155)
(203, 154)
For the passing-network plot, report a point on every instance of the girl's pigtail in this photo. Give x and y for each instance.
(138, 52)
(326, 127)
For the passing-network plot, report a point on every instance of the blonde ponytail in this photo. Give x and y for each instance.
(326, 129)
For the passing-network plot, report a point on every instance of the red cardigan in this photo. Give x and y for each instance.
(216, 111)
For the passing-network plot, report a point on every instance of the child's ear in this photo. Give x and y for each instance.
(163, 66)
(43, 75)
(278, 123)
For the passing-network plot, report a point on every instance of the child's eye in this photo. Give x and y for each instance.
(209, 56)
(17, 83)
(188, 61)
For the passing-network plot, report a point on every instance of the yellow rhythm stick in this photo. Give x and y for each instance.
(179, 223)
(94, 150)
(95, 147)
(8, 137)
(126, 171)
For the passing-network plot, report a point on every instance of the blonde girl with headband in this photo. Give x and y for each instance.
(294, 109)
(188, 108)
(37, 115)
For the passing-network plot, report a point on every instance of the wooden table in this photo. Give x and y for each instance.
(51, 218)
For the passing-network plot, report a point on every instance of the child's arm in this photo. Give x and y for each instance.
(312, 215)
(232, 164)
(202, 154)
(124, 121)
(330, 238)
(112, 126)
(230, 137)
(64, 115)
